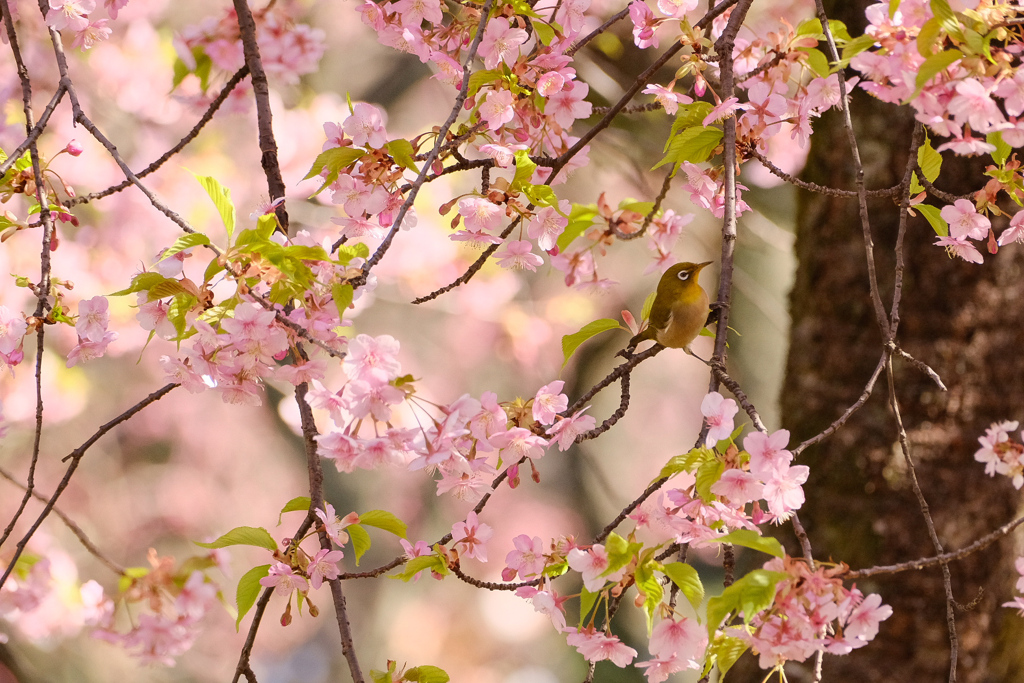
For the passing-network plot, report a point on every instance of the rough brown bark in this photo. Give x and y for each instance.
(966, 322)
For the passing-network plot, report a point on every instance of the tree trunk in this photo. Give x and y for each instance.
(966, 321)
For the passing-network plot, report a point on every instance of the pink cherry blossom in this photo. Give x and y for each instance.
(501, 43)
(683, 638)
(95, 32)
(92, 319)
(549, 401)
(596, 646)
(964, 220)
(522, 443)
(90, 350)
(676, 8)
(283, 580)
(738, 487)
(527, 560)
(767, 453)
(718, 411)
(471, 537)
(372, 358)
(592, 564)
(667, 98)
(324, 566)
(548, 224)
(566, 429)
(412, 13)
(69, 14)
(366, 126)
(644, 25)
(497, 109)
(546, 602)
(334, 526)
(12, 330)
(517, 255)
(481, 215)
(567, 105)
(959, 246)
(1014, 233)
(783, 491)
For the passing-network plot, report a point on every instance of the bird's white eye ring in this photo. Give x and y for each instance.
(683, 275)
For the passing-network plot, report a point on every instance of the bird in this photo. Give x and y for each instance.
(680, 310)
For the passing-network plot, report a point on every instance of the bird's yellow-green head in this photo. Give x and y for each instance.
(679, 279)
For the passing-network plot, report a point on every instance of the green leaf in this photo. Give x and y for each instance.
(686, 462)
(581, 217)
(933, 215)
(929, 38)
(933, 66)
(540, 195)
(126, 581)
(382, 519)
(809, 27)
(524, 170)
(481, 78)
(688, 116)
(686, 577)
(165, 289)
(818, 62)
(334, 160)
(184, 242)
(347, 252)
(645, 310)
(620, 553)
(726, 650)
(544, 32)
(417, 564)
(142, 282)
(648, 584)
(753, 540)
(298, 504)
(360, 540)
(384, 676)
(749, 595)
(587, 602)
(214, 267)
(426, 674)
(707, 474)
(248, 589)
(342, 295)
(944, 13)
(180, 305)
(839, 31)
(930, 161)
(1002, 151)
(402, 152)
(693, 144)
(243, 535)
(855, 47)
(221, 197)
(571, 342)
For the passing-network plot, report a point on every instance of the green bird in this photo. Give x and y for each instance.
(680, 309)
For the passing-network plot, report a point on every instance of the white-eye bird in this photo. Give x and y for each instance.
(680, 309)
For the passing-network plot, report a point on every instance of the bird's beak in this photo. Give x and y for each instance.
(702, 265)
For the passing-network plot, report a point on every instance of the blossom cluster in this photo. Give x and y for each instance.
(43, 598)
(74, 15)
(288, 49)
(811, 612)
(463, 442)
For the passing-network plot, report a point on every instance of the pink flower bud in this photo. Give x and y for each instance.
(73, 148)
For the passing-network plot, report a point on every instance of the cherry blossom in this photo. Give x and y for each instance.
(471, 537)
(718, 412)
(323, 566)
(366, 126)
(596, 646)
(284, 580)
(501, 43)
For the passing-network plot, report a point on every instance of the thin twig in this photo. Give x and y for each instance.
(76, 458)
(814, 187)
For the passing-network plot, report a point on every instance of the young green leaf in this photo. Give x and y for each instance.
(417, 564)
(726, 650)
(360, 540)
(934, 217)
(298, 504)
(184, 242)
(382, 519)
(243, 535)
(753, 540)
(524, 170)
(686, 577)
(221, 197)
(571, 342)
(248, 589)
(426, 674)
(333, 160)
(748, 596)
